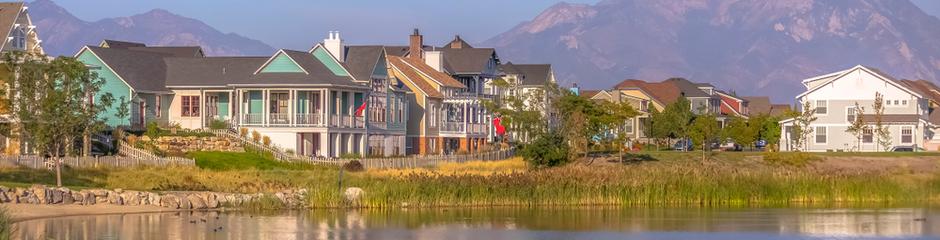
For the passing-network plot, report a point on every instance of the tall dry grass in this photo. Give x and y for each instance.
(474, 168)
(6, 224)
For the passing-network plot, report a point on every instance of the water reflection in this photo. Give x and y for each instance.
(498, 223)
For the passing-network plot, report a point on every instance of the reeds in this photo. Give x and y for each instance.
(6, 224)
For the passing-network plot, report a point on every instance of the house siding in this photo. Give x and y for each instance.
(113, 85)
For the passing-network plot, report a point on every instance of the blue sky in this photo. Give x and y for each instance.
(298, 24)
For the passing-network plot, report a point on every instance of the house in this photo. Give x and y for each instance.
(448, 87)
(932, 93)
(834, 95)
(21, 36)
(758, 105)
(732, 105)
(528, 82)
(135, 75)
(325, 102)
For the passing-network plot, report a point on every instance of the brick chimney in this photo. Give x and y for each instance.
(416, 45)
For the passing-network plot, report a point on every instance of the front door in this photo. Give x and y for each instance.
(279, 107)
(142, 112)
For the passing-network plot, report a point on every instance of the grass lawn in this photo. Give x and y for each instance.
(226, 161)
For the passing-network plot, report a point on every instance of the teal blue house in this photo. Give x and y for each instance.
(136, 74)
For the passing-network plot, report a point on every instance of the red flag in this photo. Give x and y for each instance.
(361, 109)
(500, 130)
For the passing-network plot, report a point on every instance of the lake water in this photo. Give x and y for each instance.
(501, 223)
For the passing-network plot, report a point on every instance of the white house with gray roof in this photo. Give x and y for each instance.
(834, 95)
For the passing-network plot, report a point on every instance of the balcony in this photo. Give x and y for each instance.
(347, 121)
(307, 119)
(281, 119)
(453, 127)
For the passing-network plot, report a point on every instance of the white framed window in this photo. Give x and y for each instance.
(907, 134)
(822, 107)
(821, 133)
(850, 114)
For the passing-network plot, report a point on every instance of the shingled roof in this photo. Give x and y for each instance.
(9, 12)
(108, 43)
(412, 75)
(665, 92)
(361, 60)
(467, 60)
(142, 70)
(317, 73)
(210, 71)
(530, 74)
(457, 43)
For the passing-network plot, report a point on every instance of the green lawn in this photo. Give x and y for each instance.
(225, 161)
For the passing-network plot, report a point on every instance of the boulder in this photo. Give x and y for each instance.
(184, 202)
(115, 198)
(154, 199)
(169, 201)
(131, 198)
(55, 196)
(196, 202)
(78, 197)
(89, 198)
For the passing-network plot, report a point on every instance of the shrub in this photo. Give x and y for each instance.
(153, 130)
(218, 124)
(796, 159)
(117, 133)
(548, 150)
(132, 139)
(353, 166)
(256, 136)
(243, 132)
(266, 140)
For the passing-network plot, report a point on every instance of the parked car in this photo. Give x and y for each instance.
(683, 145)
(730, 145)
(760, 144)
(902, 149)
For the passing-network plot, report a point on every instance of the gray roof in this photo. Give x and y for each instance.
(361, 60)
(143, 71)
(210, 71)
(758, 105)
(532, 74)
(467, 60)
(173, 51)
(457, 43)
(687, 88)
(120, 44)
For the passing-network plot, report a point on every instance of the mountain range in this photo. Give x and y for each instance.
(753, 47)
(64, 34)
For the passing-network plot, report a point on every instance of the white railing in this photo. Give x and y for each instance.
(453, 127)
(252, 118)
(307, 119)
(278, 118)
(477, 128)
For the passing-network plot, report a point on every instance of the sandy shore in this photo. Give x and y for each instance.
(23, 212)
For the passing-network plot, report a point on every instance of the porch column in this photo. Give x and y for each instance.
(264, 107)
(231, 105)
(290, 106)
(323, 144)
(325, 107)
(337, 144)
(202, 109)
(363, 141)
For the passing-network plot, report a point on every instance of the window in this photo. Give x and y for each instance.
(907, 134)
(820, 134)
(868, 135)
(822, 107)
(19, 38)
(157, 109)
(628, 126)
(850, 114)
(896, 102)
(904, 102)
(190, 106)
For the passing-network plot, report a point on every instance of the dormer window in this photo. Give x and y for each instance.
(18, 38)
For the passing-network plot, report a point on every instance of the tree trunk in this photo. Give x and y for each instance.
(86, 144)
(58, 168)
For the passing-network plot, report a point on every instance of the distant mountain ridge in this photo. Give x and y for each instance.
(754, 47)
(64, 34)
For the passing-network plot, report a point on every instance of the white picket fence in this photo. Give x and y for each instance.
(38, 162)
(377, 163)
(127, 150)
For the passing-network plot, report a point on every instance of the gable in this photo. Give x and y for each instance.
(857, 84)
(380, 67)
(324, 57)
(282, 64)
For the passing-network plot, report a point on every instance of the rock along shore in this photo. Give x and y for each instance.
(39, 194)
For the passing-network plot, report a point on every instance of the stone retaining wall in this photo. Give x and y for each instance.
(192, 144)
(39, 194)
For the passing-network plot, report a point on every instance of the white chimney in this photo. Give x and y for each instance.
(435, 59)
(334, 44)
